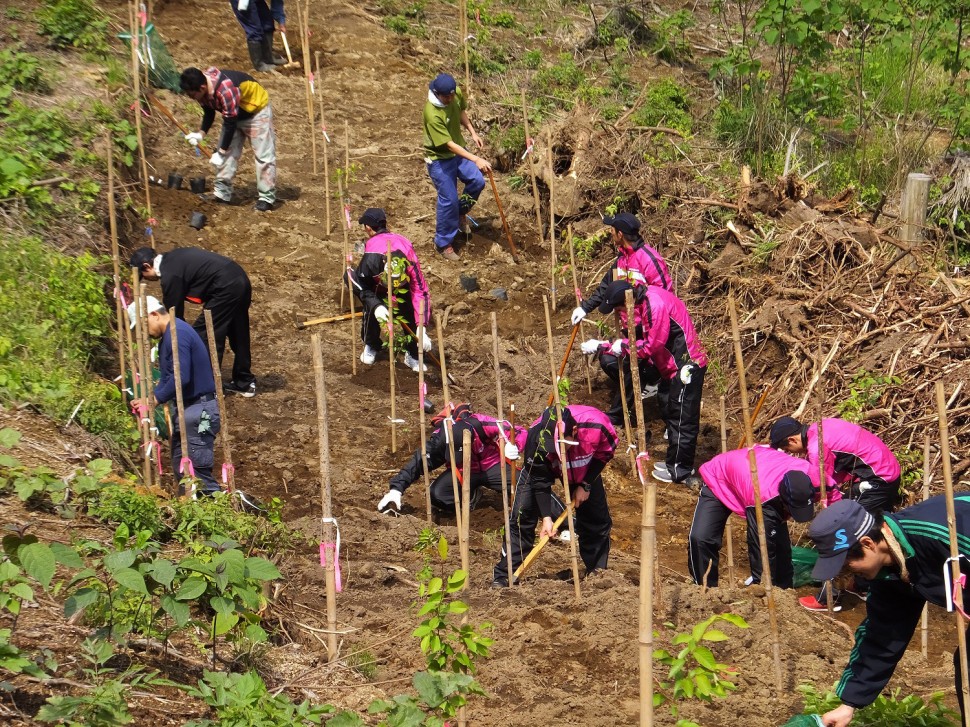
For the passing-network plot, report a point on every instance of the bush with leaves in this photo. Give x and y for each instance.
(74, 24)
(123, 504)
(888, 710)
(243, 699)
(208, 518)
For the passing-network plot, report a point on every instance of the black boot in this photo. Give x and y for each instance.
(268, 55)
(256, 56)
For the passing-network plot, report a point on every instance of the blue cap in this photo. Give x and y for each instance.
(443, 84)
(836, 529)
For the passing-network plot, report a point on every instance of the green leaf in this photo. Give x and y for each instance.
(733, 618)
(456, 580)
(256, 634)
(9, 437)
(346, 719)
(120, 559)
(457, 607)
(443, 548)
(191, 588)
(38, 561)
(705, 658)
(80, 600)
(131, 579)
(234, 563)
(715, 635)
(222, 606)
(178, 610)
(22, 591)
(225, 624)
(163, 571)
(261, 569)
(66, 555)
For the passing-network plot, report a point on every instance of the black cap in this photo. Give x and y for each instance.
(141, 256)
(798, 494)
(615, 296)
(782, 429)
(374, 218)
(624, 222)
(443, 84)
(836, 529)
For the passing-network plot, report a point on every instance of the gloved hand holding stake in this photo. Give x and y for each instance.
(617, 347)
(217, 160)
(382, 314)
(393, 497)
(578, 315)
(423, 340)
(591, 346)
(194, 138)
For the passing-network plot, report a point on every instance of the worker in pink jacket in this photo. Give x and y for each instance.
(590, 442)
(788, 487)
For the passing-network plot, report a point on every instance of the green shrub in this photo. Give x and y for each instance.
(886, 711)
(74, 24)
(243, 699)
(22, 71)
(215, 517)
(666, 104)
(671, 43)
(122, 504)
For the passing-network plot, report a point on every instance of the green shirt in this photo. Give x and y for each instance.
(442, 125)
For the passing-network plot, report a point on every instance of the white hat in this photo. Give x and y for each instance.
(151, 305)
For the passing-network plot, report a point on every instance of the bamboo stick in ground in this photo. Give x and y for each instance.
(326, 147)
(228, 471)
(136, 89)
(120, 313)
(954, 548)
(466, 498)
(449, 432)
(328, 548)
(821, 483)
(530, 153)
(146, 348)
(180, 406)
(728, 530)
(390, 343)
(500, 409)
(304, 24)
(756, 486)
(562, 365)
(140, 381)
(627, 425)
(579, 297)
(552, 222)
(422, 392)
(351, 280)
(463, 29)
(925, 618)
(562, 452)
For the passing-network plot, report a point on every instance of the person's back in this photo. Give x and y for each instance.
(728, 475)
(856, 452)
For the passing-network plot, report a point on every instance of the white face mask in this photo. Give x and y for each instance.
(435, 101)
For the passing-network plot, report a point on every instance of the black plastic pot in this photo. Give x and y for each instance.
(197, 184)
(174, 181)
(197, 220)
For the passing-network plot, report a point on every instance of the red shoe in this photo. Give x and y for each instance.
(812, 604)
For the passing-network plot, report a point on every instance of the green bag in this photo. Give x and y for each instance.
(162, 72)
(803, 560)
(804, 720)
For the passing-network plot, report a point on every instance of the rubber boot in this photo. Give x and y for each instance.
(268, 55)
(256, 56)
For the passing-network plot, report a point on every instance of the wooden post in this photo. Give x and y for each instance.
(756, 486)
(308, 78)
(463, 29)
(136, 88)
(500, 408)
(562, 452)
(449, 433)
(579, 296)
(351, 278)
(954, 547)
(228, 471)
(327, 521)
(120, 313)
(422, 392)
(925, 619)
(822, 495)
(627, 426)
(912, 212)
(141, 380)
(326, 145)
(390, 343)
(530, 162)
(728, 529)
(552, 222)
(466, 498)
(180, 406)
(146, 350)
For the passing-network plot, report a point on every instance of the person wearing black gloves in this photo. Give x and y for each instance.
(215, 282)
(590, 442)
(906, 557)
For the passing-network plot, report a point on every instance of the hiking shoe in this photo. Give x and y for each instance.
(812, 604)
(368, 356)
(263, 206)
(448, 253)
(499, 583)
(409, 361)
(662, 473)
(246, 390)
(648, 391)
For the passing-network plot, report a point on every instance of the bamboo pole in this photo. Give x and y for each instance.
(120, 314)
(466, 498)
(463, 29)
(449, 433)
(561, 449)
(180, 406)
(228, 471)
(579, 295)
(532, 169)
(627, 426)
(756, 486)
(351, 280)
(954, 549)
(422, 392)
(136, 87)
(154, 448)
(728, 529)
(822, 496)
(500, 408)
(552, 221)
(141, 381)
(304, 23)
(327, 521)
(515, 470)
(326, 147)
(925, 618)
(390, 344)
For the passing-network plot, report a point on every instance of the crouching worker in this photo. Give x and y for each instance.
(788, 487)
(906, 557)
(412, 299)
(590, 442)
(492, 445)
(198, 391)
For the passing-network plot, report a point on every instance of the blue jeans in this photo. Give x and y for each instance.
(256, 20)
(445, 174)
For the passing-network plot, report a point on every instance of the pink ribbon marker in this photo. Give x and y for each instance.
(323, 128)
(186, 463)
(325, 558)
(422, 392)
(227, 469)
(642, 459)
(529, 144)
(347, 215)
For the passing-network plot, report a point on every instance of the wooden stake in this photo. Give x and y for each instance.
(304, 23)
(229, 480)
(180, 406)
(422, 391)
(327, 521)
(136, 88)
(141, 381)
(463, 29)
(821, 480)
(500, 408)
(532, 169)
(728, 529)
(120, 313)
(562, 453)
(145, 347)
(326, 147)
(351, 278)
(954, 548)
(562, 365)
(579, 296)
(756, 486)
(449, 433)
(390, 344)
(627, 426)
(552, 221)
(925, 619)
(466, 498)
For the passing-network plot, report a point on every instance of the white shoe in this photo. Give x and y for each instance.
(412, 363)
(649, 391)
(564, 536)
(369, 356)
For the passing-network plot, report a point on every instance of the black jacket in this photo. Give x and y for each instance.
(437, 449)
(196, 275)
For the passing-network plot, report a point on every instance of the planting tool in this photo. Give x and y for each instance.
(435, 359)
(504, 473)
(153, 100)
(290, 63)
(562, 366)
(501, 211)
(534, 553)
(228, 471)
(757, 410)
(728, 530)
(300, 325)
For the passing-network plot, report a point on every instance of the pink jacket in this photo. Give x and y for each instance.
(851, 452)
(642, 265)
(595, 438)
(420, 295)
(728, 476)
(488, 453)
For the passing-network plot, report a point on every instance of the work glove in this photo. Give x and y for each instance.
(423, 338)
(686, 373)
(243, 5)
(381, 314)
(195, 138)
(865, 486)
(591, 346)
(578, 314)
(217, 160)
(511, 451)
(617, 347)
(393, 497)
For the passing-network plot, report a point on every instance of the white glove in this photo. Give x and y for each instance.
(381, 314)
(865, 486)
(217, 160)
(578, 314)
(617, 347)
(393, 497)
(243, 5)
(591, 346)
(195, 138)
(685, 374)
(511, 451)
(423, 338)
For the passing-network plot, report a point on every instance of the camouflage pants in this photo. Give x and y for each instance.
(262, 138)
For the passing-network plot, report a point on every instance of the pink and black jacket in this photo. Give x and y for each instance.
(639, 265)
(852, 454)
(371, 270)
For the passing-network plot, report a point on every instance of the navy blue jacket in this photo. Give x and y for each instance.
(194, 364)
(893, 608)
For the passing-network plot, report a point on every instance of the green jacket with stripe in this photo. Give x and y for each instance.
(893, 608)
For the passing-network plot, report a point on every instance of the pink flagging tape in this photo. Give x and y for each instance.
(139, 408)
(323, 128)
(186, 463)
(227, 469)
(422, 393)
(642, 459)
(529, 145)
(347, 215)
(335, 548)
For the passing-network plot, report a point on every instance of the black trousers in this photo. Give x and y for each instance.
(443, 493)
(593, 526)
(370, 329)
(230, 320)
(681, 407)
(707, 535)
(611, 367)
(882, 496)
